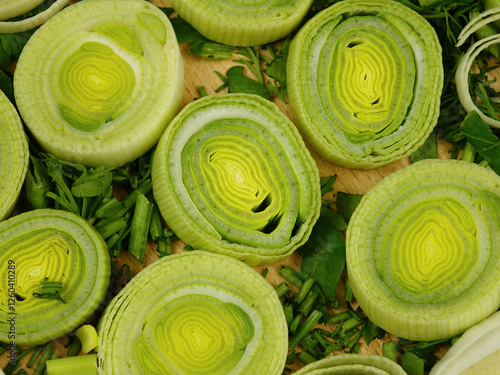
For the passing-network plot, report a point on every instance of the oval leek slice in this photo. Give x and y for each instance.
(22, 6)
(106, 87)
(359, 364)
(232, 175)
(56, 247)
(13, 156)
(422, 249)
(194, 313)
(476, 352)
(247, 23)
(468, 59)
(364, 81)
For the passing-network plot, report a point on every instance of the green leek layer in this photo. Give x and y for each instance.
(232, 175)
(63, 248)
(13, 156)
(194, 313)
(107, 86)
(243, 23)
(422, 249)
(365, 81)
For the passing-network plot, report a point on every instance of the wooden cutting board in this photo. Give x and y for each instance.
(202, 72)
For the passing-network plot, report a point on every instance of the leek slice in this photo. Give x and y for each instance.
(243, 23)
(467, 60)
(422, 249)
(476, 352)
(232, 175)
(58, 246)
(107, 86)
(13, 156)
(194, 313)
(359, 364)
(364, 81)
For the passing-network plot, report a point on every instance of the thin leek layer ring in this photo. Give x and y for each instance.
(365, 81)
(194, 313)
(61, 247)
(247, 23)
(359, 364)
(13, 156)
(422, 249)
(21, 7)
(107, 87)
(232, 175)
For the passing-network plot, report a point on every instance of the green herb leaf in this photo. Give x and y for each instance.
(238, 82)
(347, 203)
(6, 86)
(412, 364)
(372, 331)
(428, 150)
(185, 32)
(212, 50)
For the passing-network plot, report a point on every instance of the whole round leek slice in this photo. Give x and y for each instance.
(194, 313)
(243, 23)
(364, 81)
(359, 364)
(422, 249)
(232, 175)
(49, 246)
(13, 8)
(107, 86)
(13, 156)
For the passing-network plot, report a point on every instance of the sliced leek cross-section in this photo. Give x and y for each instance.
(194, 313)
(13, 156)
(243, 23)
(422, 249)
(347, 364)
(232, 175)
(365, 80)
(106, 87)
(49, 246)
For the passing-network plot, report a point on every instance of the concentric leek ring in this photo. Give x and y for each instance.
(106, 87)
(364, 81)
(61, 247)
(422, 249)
(13, 8)
(232, 175)
(13, 156)
(359, 364)
(243, 23)
(194, 313)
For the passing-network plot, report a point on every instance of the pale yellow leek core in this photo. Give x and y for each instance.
(60, 247)
(194, 313)
(364, 82)
(107, 87)
(422, 249)
(13, 156)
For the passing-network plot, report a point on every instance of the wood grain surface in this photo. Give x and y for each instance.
(202, 72)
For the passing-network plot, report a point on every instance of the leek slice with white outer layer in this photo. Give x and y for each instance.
(13, 156)
(464, 67)
(359, 364)
(243, 23)
(422, 249)
(232, 175)
(364, 81)
(55, 246)
(194, 313)
(14, 8)
(107, 86)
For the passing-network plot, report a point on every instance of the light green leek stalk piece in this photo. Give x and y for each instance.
(476, 352)
(364, 81)
(106, 87)
(194, 313)
(14, 156)
(22, 6)
(346, 364)
(248, 23)
(81, 365)
(422, 249)
(232, 175)
(61, 247)
(468, 59)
